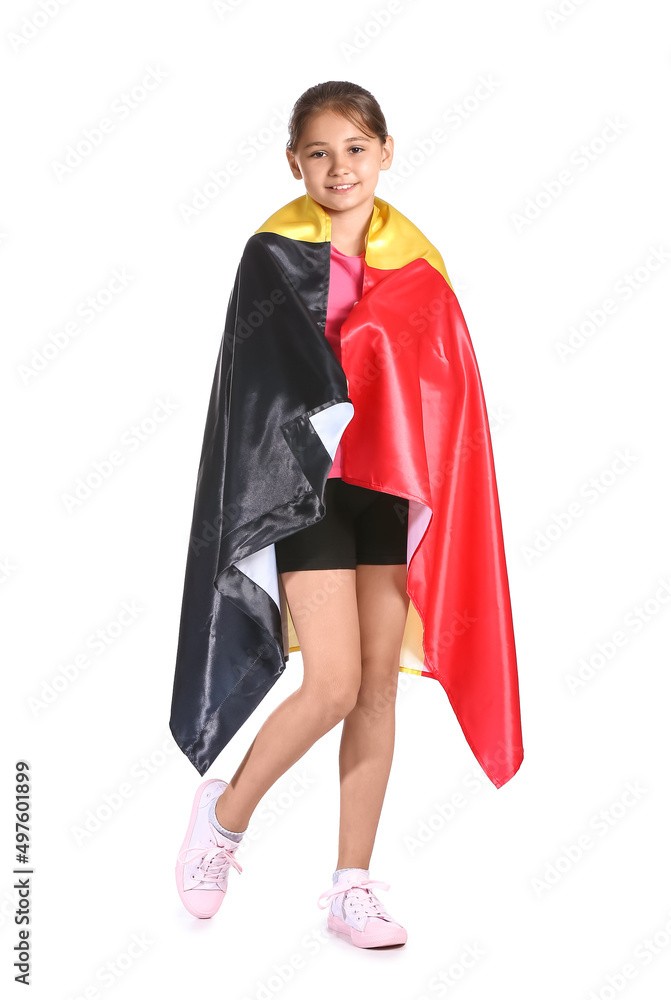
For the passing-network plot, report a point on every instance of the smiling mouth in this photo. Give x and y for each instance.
(341, 187)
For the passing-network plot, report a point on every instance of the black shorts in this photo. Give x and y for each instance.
(360, 526)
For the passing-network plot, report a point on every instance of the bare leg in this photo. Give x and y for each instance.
(367, 742)
(323, 605)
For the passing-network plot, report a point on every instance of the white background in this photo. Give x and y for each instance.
(484, 877)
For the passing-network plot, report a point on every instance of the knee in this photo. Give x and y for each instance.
(378, 691)
(334, 704)
(344, 701)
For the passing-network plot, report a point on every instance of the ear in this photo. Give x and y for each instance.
(387, 154)
(295, 169)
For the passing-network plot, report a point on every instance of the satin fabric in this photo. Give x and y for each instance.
(406, 404)
(420, 431)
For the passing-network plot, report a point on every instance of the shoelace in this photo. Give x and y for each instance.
(361, 894)
(215, 862)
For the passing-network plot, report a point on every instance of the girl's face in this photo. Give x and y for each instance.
(332, 152)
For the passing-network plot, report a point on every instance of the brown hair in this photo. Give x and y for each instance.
(343, 98)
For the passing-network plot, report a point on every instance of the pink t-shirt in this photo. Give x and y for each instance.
(345, 287)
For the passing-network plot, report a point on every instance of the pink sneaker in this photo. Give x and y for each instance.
(206, 856)
(357, 912)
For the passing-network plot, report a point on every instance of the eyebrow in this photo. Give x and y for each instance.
(351, 139)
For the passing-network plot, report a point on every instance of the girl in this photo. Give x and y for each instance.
(354, 556)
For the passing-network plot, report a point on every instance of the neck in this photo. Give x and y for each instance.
(349, 228)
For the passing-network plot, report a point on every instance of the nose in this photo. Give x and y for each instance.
(338, 166)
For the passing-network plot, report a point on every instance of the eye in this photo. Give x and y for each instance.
(321, 152)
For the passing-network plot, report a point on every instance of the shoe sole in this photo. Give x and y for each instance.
(179, 866)
(379, 938)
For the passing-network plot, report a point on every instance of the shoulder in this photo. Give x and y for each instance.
(395, 241)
